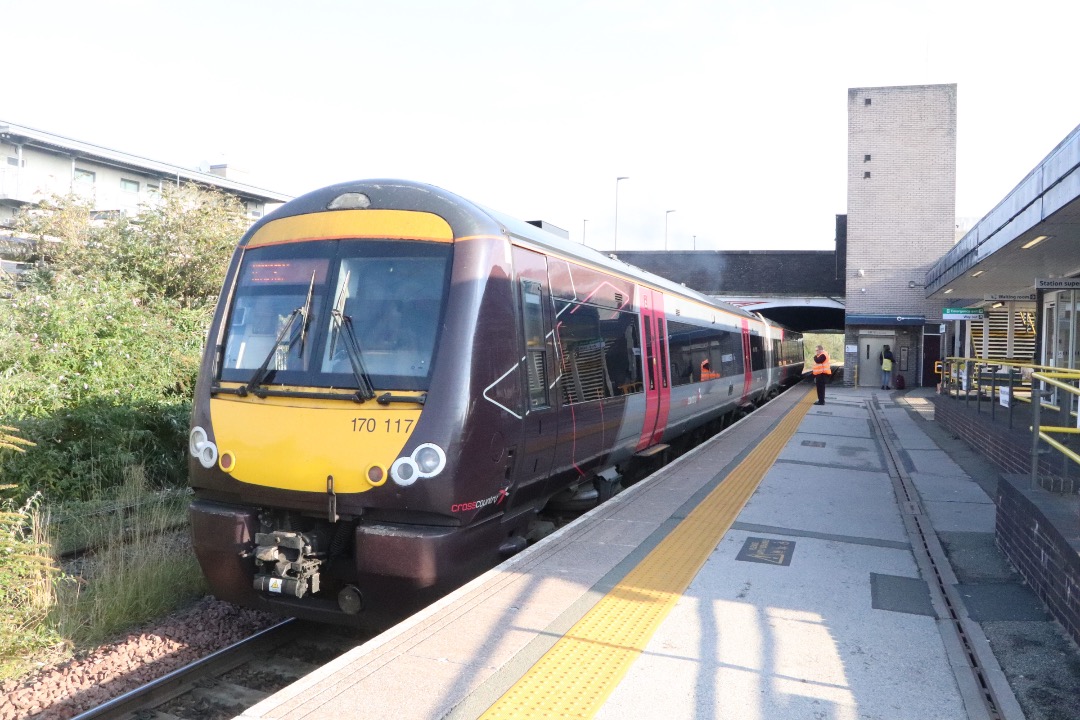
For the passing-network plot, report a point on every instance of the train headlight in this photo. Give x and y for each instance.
(430, 459)
(404, 471)
(200, 446)
(426, 461)
(350, 201)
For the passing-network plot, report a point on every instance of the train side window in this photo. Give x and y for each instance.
(757, 352)
(722, 351)
(622, 350)
(535, 345)
(599, 352)
(681, 340)
(584, 373)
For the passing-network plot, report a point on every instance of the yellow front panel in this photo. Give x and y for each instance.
(334, 224)
(294, 444)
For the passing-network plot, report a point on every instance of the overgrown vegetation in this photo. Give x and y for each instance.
(27, 572)
(100, 345)
(138, 564)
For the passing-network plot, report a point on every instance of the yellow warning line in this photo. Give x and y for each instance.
(576, 676)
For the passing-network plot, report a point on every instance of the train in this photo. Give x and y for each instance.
(398, 382)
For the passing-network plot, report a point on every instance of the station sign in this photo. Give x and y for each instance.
(963, 313)
(1008, 298)
(1058, 284)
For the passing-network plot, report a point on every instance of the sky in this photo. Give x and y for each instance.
(731, 113)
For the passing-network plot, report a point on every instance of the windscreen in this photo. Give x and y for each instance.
(319, 314)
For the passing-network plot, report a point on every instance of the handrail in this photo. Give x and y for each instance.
(1038, 384)
(966, 374)
(1042, 432)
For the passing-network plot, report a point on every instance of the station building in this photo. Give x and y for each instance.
(901, 219)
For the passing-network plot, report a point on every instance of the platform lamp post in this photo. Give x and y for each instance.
(622, 177)
(583, 225)
(666, 214)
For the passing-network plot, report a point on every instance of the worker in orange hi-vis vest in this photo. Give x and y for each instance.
(821, 371)
(706, 371)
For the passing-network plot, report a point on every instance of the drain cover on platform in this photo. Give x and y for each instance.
(771, 552)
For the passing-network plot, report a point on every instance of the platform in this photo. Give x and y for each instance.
(790, 567)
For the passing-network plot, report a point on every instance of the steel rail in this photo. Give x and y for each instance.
(176, 682)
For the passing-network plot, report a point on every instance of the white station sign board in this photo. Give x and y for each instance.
(1058, 284)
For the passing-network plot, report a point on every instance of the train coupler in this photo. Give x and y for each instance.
(286, 564)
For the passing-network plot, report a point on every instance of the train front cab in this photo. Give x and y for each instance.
(307, 484)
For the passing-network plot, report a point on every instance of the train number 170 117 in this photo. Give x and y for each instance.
(370, 425)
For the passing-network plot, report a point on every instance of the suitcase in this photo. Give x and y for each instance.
(900, 382)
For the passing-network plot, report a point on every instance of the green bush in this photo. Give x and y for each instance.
(100, 344)
(84, 450)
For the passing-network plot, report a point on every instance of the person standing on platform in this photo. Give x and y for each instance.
(821, 371)
(886, 359)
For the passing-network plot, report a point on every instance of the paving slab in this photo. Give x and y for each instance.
(854, 453)
(949, 488)
(848, 503)
(933, 462)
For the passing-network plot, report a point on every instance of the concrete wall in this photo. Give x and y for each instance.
(901, 202)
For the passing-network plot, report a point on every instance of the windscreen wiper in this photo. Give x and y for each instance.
(343, 326)
(304, 311)
(338, 311)
(307, 314)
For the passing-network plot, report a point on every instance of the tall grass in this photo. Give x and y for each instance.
(134, 564)
(27, 591)
(140, 567)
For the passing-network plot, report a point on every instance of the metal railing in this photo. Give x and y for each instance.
(998, 381)
(1006, 381)
(1065, 381)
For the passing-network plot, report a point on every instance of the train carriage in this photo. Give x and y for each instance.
(398, 381)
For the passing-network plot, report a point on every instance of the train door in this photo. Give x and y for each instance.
(656, 382)
(771, 352)
(748, 364)
(540, 419)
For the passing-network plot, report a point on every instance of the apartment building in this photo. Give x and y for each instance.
(35, 165)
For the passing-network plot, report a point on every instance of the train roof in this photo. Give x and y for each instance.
(407, 194)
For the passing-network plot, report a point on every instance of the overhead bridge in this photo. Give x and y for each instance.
(801, 289)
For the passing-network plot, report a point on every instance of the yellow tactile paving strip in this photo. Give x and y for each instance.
(576, 676)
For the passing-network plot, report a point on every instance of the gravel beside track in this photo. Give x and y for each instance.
(82, 683)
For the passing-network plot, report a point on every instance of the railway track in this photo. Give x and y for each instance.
(229, 681)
